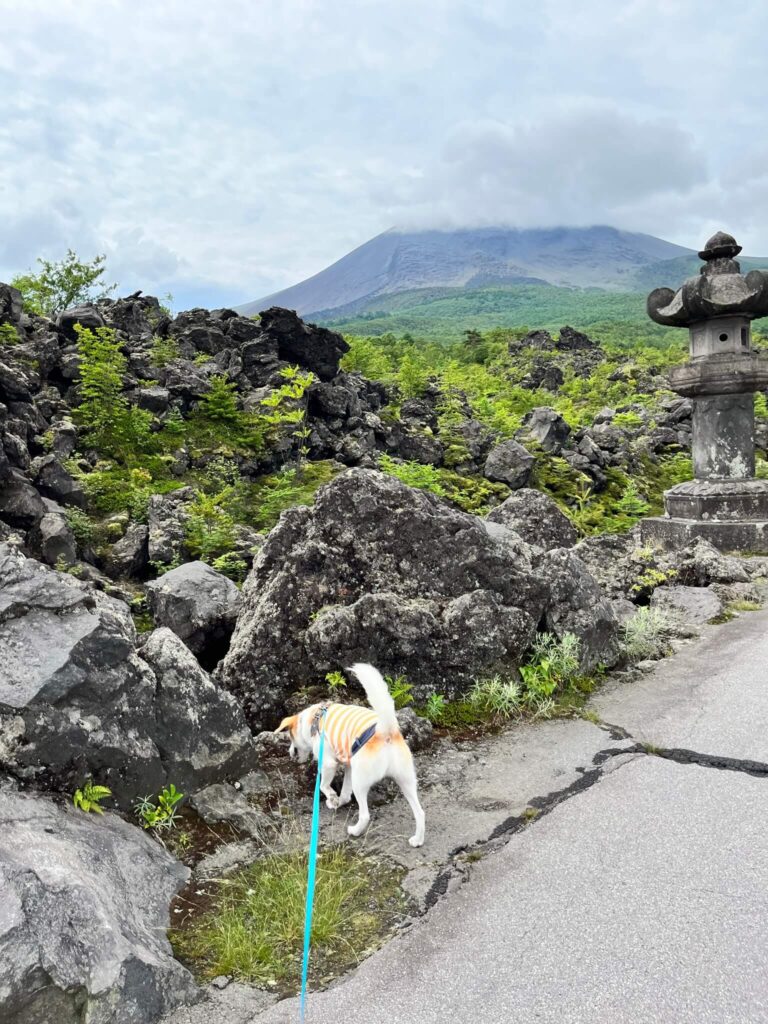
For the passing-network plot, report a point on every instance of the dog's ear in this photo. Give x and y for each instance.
(287, 723)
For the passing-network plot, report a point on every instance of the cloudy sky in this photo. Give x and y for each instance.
(220, 151)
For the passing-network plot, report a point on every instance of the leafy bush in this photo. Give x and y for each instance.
(335, 681)
(553, 665)
(231, 565)
(496, 698)
(80, 524)
(209, 530)
(273, 494)
(434, 709)
(400, 690)
(113, 426)
(219, 404)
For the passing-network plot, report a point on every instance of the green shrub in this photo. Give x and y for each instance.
(335, 681)
(9, 335)
(273, 494)
(231, 565)
(553, 665)
(80, 524)
(496, 698)
(209, 530)
(113, 427)
(470, 493)
(400, 690)
(219, 404)
(434, 709)
(163, 351)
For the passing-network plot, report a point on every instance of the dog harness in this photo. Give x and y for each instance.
(347, 728)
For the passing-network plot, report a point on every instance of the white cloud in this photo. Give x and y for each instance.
(579, 165)
(224, 151)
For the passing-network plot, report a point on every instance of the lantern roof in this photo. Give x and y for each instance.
(719, 289)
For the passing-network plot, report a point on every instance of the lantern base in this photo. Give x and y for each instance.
(745, 537)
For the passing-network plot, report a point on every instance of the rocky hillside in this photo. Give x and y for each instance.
(202, 515)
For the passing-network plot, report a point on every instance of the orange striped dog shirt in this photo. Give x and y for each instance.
(343, 724)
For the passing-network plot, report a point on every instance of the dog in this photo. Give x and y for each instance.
(367, 742)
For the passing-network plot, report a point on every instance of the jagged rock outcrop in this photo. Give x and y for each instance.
(78, 699)
(317, 348)
(380, 572)
(85, 910)
(547, 428)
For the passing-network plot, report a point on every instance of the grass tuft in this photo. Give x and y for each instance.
(647, 635)
(254, 931)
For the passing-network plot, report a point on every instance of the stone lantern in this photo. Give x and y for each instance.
(724, 503)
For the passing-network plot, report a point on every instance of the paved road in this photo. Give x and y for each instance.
(641, 899)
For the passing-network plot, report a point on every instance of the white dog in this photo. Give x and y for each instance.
(368, 743)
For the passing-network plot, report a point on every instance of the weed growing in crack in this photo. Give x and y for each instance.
(744, 606)
(647, 635)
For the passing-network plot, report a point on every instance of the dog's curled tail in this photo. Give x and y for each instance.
(379, 697)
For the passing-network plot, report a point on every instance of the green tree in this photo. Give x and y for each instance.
(220, 403)
(115, 427)
(61, 284)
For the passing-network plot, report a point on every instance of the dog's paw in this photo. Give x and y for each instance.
(332, 802)
(415, 841)
(355, 830)
(344, 800)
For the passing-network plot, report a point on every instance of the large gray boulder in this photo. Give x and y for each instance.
(54, 481)
(547, 427)
(701, 564)
(315, 348)
(84, 914)
(199, 604)
(696, 605)
(20, 504)
(578, 605)
(377, 571)
(535, 517)
(509, 463)
(130, 555)
(53, 539)
(11, 305)
(85, 315)
(76, 698)
(200, 722)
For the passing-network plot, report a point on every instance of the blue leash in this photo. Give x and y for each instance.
(311, 872)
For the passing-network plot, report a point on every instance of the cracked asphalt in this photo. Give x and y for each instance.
(639, 894)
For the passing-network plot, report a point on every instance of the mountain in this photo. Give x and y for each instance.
(475, 259)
